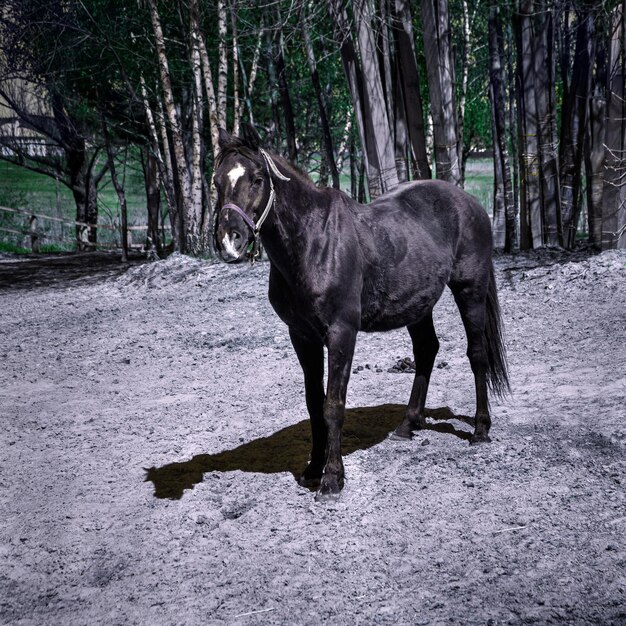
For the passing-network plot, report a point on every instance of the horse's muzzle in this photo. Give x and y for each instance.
(232, 246)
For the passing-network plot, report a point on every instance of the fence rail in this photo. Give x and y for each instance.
(36, 235)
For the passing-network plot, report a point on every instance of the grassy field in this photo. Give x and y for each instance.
(29, 191)
(479, 181)
(22, 189)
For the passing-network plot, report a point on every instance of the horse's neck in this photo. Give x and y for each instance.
(289, 225)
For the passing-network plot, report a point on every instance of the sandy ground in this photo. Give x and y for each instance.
(153, 421)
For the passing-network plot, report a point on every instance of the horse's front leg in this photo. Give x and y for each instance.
(340, 342)
(311, 356)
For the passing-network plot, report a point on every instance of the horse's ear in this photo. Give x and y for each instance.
(251, 137)
(224, 138)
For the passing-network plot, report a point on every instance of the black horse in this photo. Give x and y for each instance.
(337, 267)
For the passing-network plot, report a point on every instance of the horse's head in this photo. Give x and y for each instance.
(245, 193)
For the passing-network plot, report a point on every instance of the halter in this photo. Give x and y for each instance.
(253, 250)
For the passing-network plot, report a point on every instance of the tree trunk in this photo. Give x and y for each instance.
(381, 25)
(410, 87)
(512, 98)
(175, 214)
(317, 86)
(222, 68)
(594, 147)
(248, 82)
(614, 191)
(354, 173)
(285, 98)
(440, 71)
(119, 189)
(346, 143)
(180, 160)
(80, 173)
(574, 125)
(401, 134)
(207, 75)
(272, 80)
(465, 60)
(236, 98)
(543, 45)
(153, 199)
(504, 217)
(195, 243)
(355, 80)
(531, 231)
(161, 156)
(385, 177)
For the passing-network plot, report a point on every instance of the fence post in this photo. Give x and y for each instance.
(34, 235)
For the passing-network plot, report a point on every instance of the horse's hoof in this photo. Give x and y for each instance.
(330, 488)
(478, 439)
(400, 435)
(325, 498)
(309, 482)
(311, 477)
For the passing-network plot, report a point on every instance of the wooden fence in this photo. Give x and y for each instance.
(33, 231)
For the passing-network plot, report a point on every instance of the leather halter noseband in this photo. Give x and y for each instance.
(256, 227)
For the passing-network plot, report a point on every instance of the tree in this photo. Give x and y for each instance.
(576, 95)
(504, 214)
(165, 77)
(441, 81)
(540, 210)
(614, 192)
(408, 95)
(319, 94)
(48, 128)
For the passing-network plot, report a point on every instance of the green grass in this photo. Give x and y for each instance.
(23, 189)
(479, 181)
(12, 248)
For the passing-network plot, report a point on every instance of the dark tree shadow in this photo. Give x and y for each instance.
(287, 450)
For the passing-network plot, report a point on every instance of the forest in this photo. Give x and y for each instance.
(360, 94)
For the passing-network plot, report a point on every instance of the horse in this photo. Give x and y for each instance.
(338, 267)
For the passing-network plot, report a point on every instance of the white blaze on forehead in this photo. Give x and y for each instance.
(229, 248)
(236, 173)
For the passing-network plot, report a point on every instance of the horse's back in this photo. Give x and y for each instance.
(435, 204)
(430, 214)
(415, 239)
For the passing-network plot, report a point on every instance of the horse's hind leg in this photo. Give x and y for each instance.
(425, 348)
(471, 301)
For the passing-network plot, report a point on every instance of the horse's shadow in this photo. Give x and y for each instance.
(287, 450)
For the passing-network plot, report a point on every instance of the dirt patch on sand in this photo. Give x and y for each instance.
(153, 423)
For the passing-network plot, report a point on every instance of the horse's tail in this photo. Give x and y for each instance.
(497, 371)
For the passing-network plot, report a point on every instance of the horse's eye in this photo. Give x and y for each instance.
(257, 181)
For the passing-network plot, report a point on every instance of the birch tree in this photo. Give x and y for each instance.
(171, 111)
